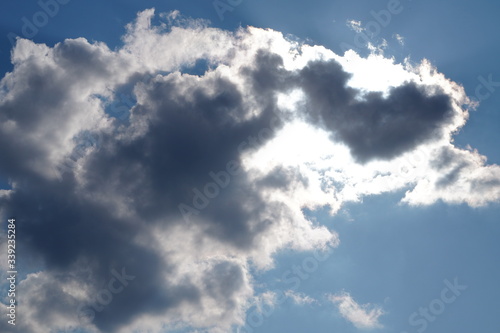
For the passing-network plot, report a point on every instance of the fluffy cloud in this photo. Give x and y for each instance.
(204, 176)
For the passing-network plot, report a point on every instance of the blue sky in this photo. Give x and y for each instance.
(394, 249)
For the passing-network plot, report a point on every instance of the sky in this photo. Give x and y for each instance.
(249, 166)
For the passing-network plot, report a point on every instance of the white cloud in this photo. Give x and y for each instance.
(300, 298)
(355, 25)
(364, 316)
(400, 39)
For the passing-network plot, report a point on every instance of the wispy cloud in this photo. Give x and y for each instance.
(355, 25)
(364, 316)
(400, 39)
(299, 298)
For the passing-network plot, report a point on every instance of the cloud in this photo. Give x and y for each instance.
(299, 298)
(363, 316)
(355, 25)
(208, 175)
(400, 39)
(371, 125)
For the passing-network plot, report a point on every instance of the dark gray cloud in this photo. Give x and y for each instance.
(192, 128)
(189, 135)
(62, 229)
(184, 145)
(373, 126)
